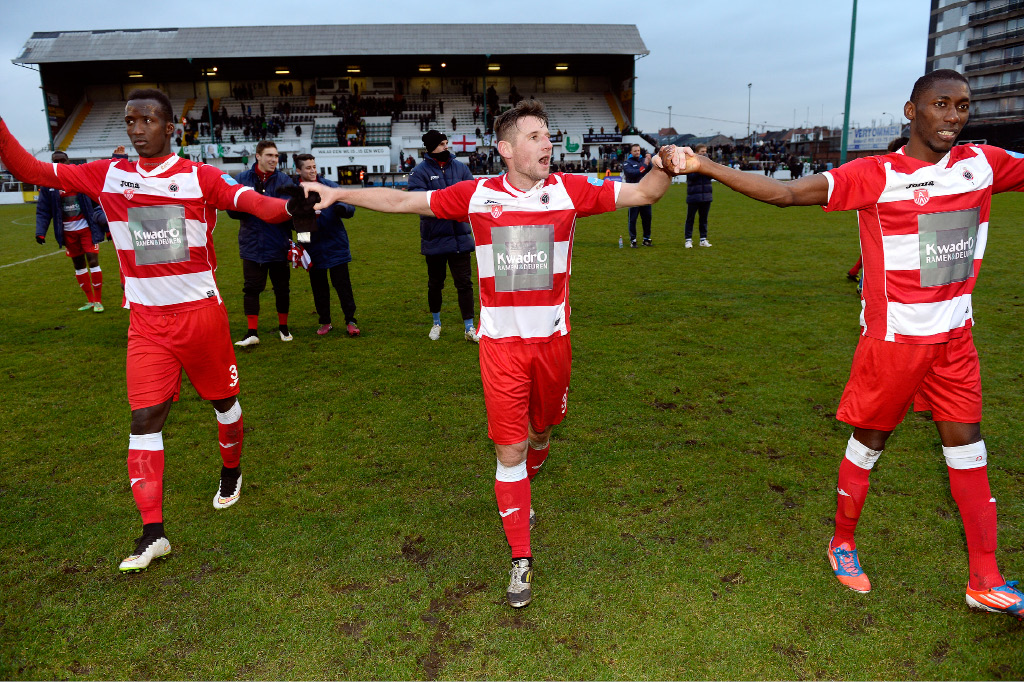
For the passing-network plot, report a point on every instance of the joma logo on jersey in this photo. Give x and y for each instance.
(930, 183)
(126, 183)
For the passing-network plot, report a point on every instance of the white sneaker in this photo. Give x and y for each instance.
(471, 335)
(284, 336)
(520, 585)
(227, 494)
(249, 341)
(146, 549)
(435, 332)
(689, 243)
(705, 242)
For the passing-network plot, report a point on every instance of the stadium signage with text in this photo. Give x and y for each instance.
(870, 139)
(353, 156)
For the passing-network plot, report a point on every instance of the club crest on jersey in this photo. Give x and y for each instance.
(172, 187)
(968, 175)
(921, 197)
(545, 198)
(128, 194)
(496, 210)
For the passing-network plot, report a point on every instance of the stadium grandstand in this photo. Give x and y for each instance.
(358, 96)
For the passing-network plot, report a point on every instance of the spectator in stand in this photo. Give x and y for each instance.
(454, 121)
(329, 250)
(634, 169)
(446, 244)
(698, 201)
(263, 246)
(78, 226)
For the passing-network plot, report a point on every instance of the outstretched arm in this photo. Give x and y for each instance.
(808, 191)
(383, 199)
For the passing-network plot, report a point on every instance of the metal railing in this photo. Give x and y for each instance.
(1008, 7)
(1005, 35)
(995, 62)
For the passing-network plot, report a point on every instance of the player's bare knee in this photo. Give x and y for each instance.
(511, 455)
(150, 419)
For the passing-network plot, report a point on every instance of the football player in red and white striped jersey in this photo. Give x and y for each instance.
(523, 224)
(161, 213)
(923, 213)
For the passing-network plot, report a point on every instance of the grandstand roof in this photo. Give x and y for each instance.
(315, 41)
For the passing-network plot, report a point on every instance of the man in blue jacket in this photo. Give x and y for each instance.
(78, 226)
(264, 246)
(446, 244)
(329, 251)
(634, 169)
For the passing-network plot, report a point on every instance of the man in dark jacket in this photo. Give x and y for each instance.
(264, 246)
(446, 244)
(329, 251)
(698, 200)
(78, 226)
(634, 170)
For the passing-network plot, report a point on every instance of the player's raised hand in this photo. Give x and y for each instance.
(328, 195)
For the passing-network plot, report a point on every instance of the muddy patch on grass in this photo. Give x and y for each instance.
(414, 551)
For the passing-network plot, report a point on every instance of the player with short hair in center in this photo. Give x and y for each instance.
(161, 213)
(923, 212)
(523, 224)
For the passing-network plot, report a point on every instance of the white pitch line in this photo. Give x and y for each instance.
(29, 260)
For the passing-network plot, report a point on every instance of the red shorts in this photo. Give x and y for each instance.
(524, 383)
(160, 346)
(78, 242)
(887, 377)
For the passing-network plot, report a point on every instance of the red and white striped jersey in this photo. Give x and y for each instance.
(923, 231)
(162, 223)
(524, 247)
(72, 212)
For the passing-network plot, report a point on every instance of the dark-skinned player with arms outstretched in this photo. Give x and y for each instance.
(923, 214)
(161, 212)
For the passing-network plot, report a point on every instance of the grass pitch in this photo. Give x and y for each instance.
(683, 513)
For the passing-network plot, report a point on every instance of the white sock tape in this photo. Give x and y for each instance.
(146, 441)
(231, 416)
(511, 474)
(95, 269)
(861, 454)
(972, 456)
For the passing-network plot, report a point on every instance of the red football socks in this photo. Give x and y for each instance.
(97, 284)
(978, 511)
(229, 435)
(146, 474)
(83, 281)
(535, 459)
(253, 322)
(512, 490)
(282, 319)
(852, 490)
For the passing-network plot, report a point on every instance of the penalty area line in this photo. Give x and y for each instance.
(29, 260)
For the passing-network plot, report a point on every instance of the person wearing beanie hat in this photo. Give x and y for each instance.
(446, 244)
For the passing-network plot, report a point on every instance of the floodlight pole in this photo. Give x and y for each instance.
(849, 84)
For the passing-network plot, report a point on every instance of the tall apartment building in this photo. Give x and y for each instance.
(984, 40)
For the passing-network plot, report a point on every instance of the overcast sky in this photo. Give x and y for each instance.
(703, 53)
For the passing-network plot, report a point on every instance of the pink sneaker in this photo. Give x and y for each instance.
(324, 328)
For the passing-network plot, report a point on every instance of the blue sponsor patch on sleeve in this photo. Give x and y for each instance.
(228, 179)
(597, 182)
(1016, 155)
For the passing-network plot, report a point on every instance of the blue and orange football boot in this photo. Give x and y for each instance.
(1003, 599)
(847, 568)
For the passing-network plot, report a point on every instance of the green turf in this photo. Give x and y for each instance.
(683, 514)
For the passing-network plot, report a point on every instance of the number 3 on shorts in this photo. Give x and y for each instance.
(233, 370)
